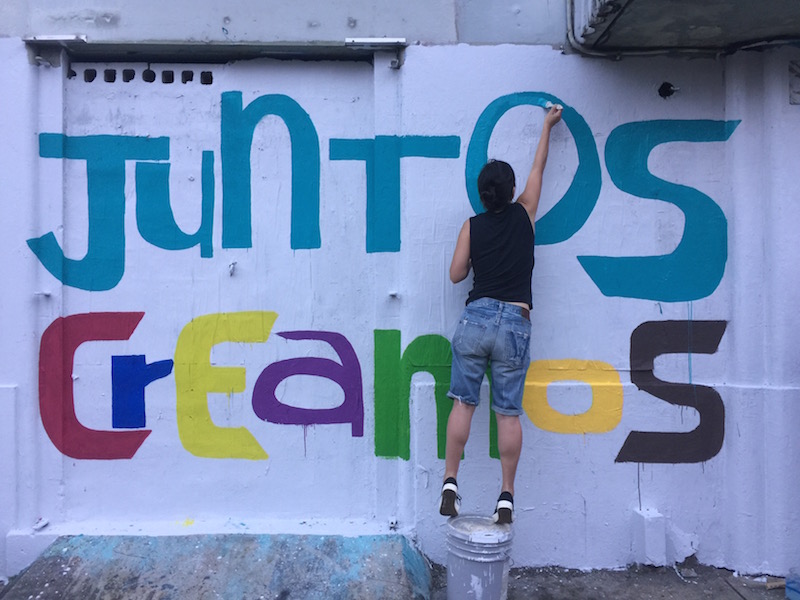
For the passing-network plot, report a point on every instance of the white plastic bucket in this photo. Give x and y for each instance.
(477, 558)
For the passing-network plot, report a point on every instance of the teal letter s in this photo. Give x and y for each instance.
(695, 268)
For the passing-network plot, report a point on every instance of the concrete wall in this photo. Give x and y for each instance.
(265, 21)
(226, 304)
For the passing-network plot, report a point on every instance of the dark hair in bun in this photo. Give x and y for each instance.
(496, 184)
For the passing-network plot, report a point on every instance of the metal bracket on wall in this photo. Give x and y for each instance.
(375, 44)
(47, 49)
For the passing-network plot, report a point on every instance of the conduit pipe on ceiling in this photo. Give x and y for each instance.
(583, 50)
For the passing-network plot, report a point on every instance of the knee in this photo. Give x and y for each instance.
(510, 421)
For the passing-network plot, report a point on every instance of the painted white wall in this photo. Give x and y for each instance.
(576, 506)
(20, 440)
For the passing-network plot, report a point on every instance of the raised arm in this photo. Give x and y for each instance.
(529, 198)
(460, 265)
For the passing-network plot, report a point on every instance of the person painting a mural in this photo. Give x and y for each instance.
(495, 328)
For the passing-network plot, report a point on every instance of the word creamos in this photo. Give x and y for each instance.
(196, 377)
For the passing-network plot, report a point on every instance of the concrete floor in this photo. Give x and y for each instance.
(688, 582)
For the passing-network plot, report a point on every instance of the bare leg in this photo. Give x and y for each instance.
(458, 425)
(509, 443)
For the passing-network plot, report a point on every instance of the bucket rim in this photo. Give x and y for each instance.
(478, 529)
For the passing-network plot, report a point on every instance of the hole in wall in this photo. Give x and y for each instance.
(149, 75)
(666, 90)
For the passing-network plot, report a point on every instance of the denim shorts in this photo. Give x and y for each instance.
(496, 334)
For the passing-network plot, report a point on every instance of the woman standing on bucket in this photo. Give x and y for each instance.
(495, 326)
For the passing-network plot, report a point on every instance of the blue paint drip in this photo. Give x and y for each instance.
(689, 351)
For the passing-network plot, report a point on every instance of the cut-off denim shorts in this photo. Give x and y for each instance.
(491, 333)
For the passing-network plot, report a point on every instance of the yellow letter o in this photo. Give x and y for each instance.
(605, 412)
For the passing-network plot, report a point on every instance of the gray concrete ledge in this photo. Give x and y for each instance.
(225, 566)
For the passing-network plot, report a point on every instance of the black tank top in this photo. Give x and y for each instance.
(501, 250)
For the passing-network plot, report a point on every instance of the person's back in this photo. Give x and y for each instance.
(501, 250)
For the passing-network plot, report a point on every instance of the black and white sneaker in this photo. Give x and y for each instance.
(450, 502)
(504, 512)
